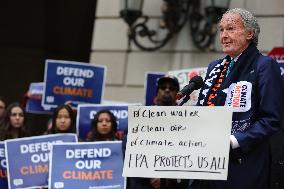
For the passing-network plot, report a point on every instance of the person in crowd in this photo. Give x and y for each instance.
(13, 124)
(3, 104)
(63, 120)
(103, 127)
(167, 89)
(250, 83)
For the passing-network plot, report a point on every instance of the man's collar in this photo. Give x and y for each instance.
(236, 58)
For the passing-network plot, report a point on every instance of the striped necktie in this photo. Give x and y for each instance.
(230, 67)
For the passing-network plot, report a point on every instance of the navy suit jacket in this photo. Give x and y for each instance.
(259, 79)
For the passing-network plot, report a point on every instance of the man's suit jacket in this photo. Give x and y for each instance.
(256, 116)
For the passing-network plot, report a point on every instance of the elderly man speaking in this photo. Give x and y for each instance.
(250, 83)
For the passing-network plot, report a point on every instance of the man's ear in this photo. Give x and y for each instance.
(250, 35)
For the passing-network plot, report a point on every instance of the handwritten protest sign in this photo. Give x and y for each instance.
(3, 167)
(28, 159)
(178, 142)
(92, 165)
(72, 81)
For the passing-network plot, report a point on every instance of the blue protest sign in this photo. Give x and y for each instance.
(86, 113)
(72, 81)
(36, 88)
(90, 165)
(28, 159)
(34, 102)
(151, 87)
(3, 167)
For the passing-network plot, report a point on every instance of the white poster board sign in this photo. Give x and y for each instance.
(187, 142)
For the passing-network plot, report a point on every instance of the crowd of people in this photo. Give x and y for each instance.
(63, 120)
(13, 123)
(243, 68)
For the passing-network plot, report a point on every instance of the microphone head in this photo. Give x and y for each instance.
(198, 82)
(194, 84)
(192, 74)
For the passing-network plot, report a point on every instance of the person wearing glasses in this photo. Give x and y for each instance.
(167, 89)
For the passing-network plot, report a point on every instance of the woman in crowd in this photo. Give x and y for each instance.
(63, 120)
(13, 123)
(104, 127)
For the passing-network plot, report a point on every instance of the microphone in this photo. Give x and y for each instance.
(194, 84)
